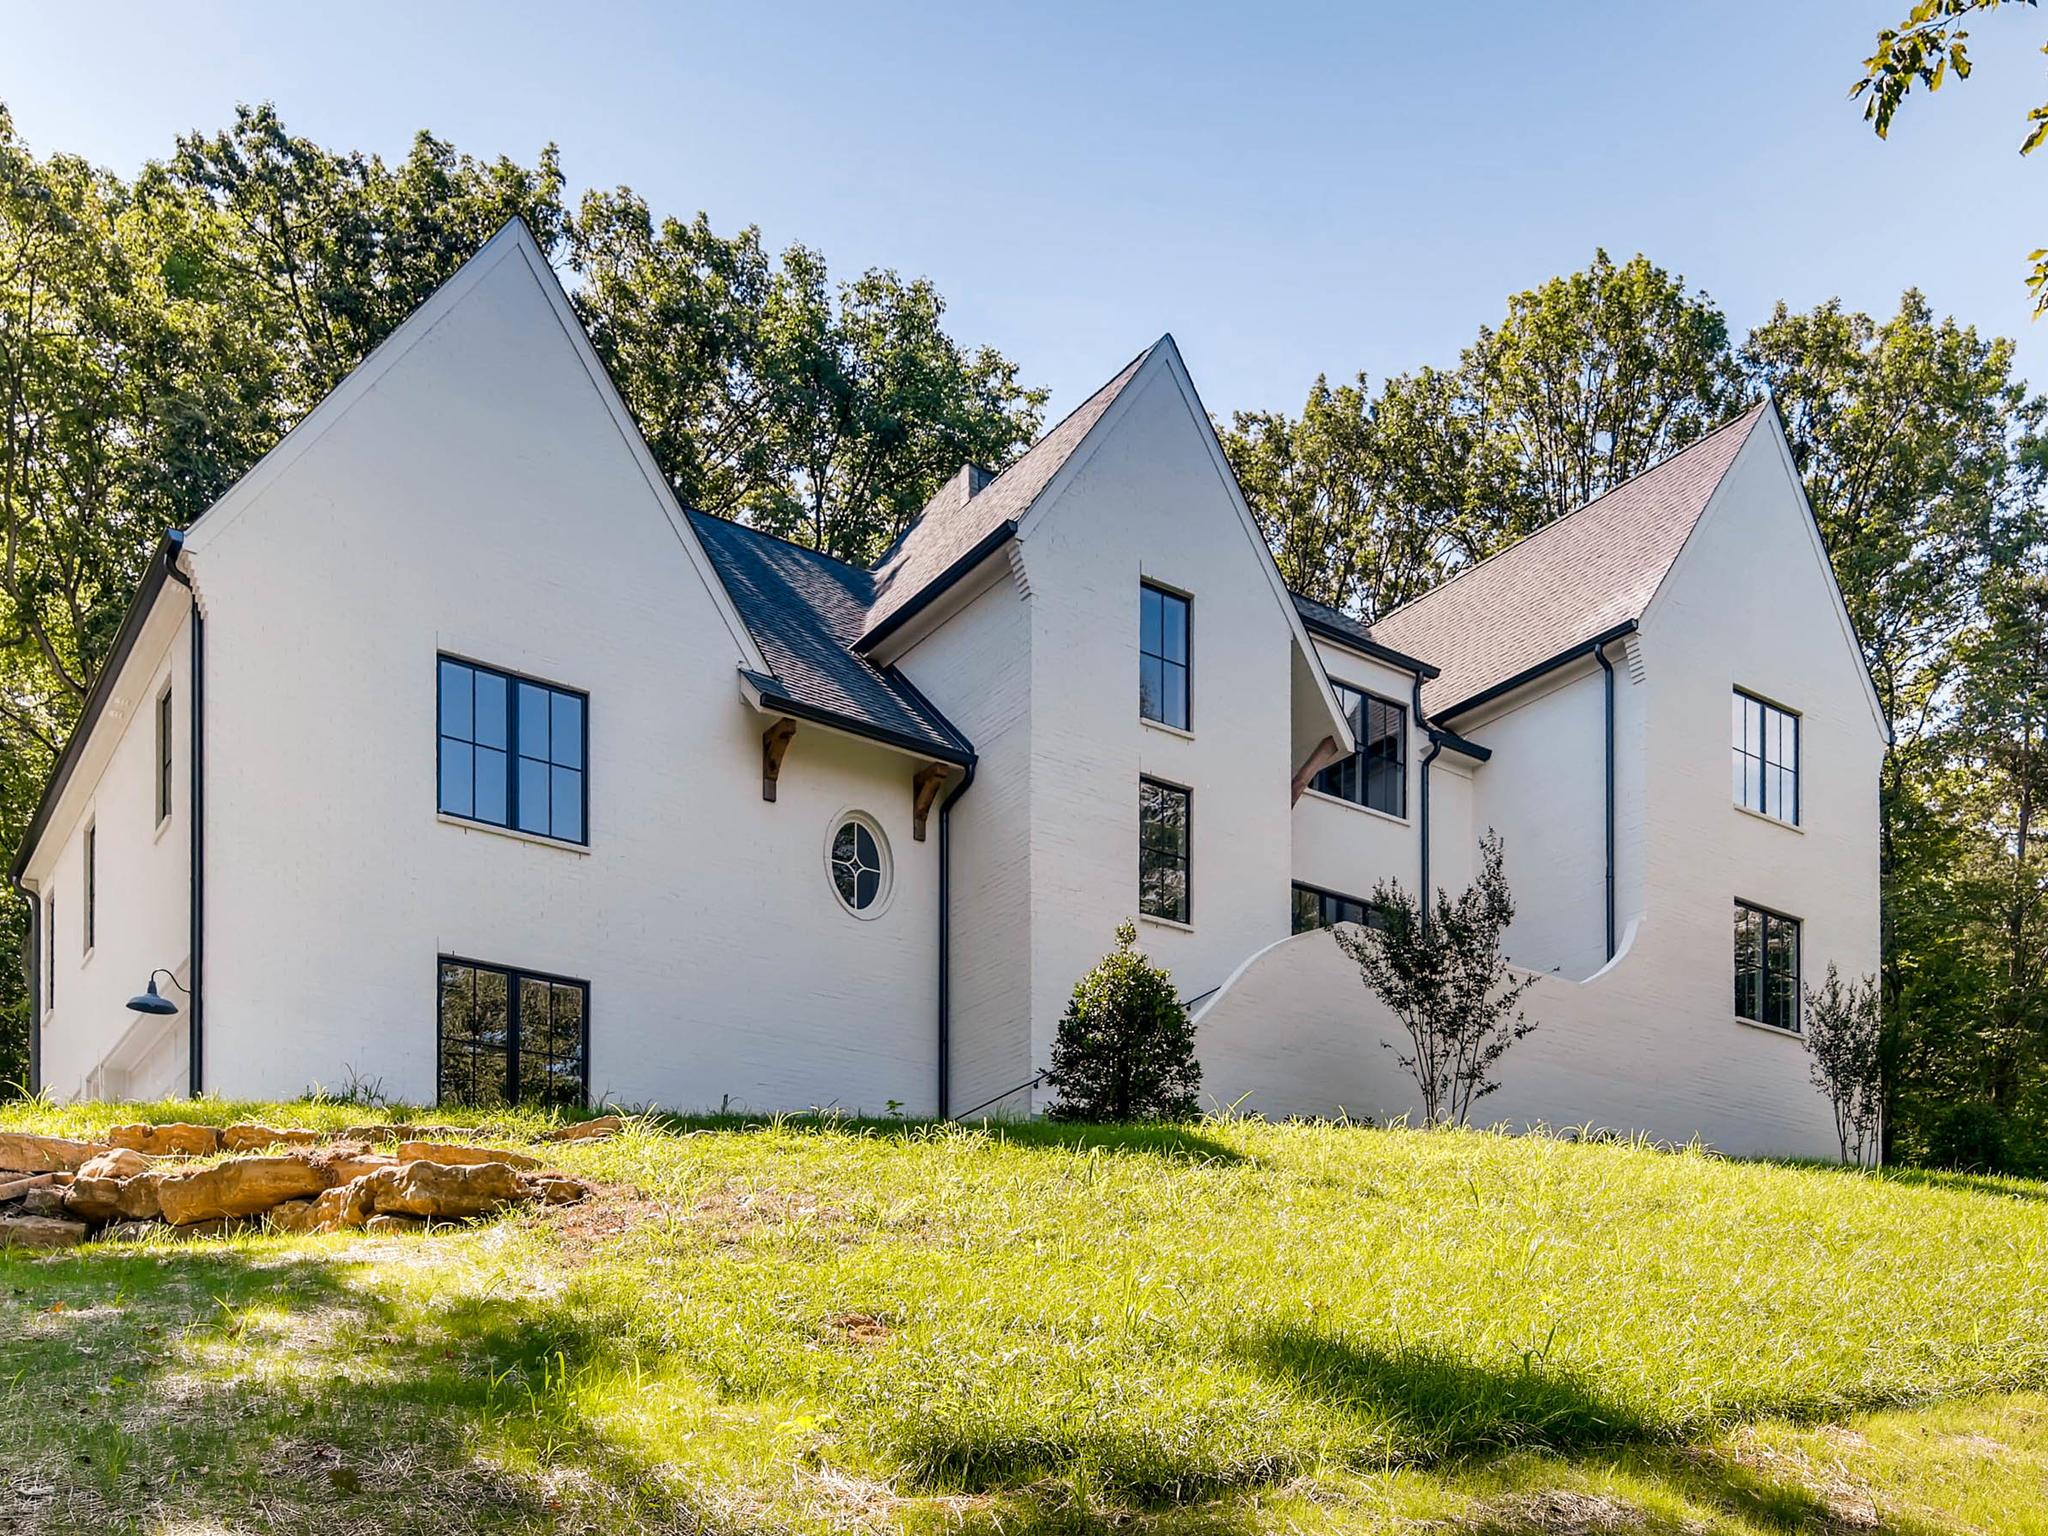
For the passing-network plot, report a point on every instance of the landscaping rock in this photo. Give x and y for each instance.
(23, 1153)
(92, 1198)
(245, 1187)
(46, 1201)
(346, 1205)
(347, 1160)
(252, 1138)
(557, 1188)
(586, 1130)
(449, 1153)
(293, 1215)
(452, 1192)
(40, 1232)
(389, 1224)
(114, 1163)
(174, 1140)
(13, 1188)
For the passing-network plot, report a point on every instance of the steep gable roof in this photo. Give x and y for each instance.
(805, 610)
(958, 519)
(1572, 580)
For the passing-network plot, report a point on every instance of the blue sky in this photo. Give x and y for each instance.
(1288, 189)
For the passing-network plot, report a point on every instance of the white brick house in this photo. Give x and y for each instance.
(447, 750)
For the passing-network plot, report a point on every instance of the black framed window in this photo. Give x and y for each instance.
(511, 1037)
(1766, 759)
(50, 967)
(1317, 908)
(1376, 775)
(1163, 656)
(1165, 838)
(163, 755)
(92, 886)
(1766, 967)
(512, 751)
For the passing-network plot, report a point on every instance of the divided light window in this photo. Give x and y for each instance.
(1315, 908)
(1766, 758)
(1376, 775)
(512, 751)
(512, 1037)
(163, 755)
(92, 886)
(1165, 827)
(1766, 967)
(50, 968)
(1163, 656)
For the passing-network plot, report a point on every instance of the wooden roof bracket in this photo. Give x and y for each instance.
(924, 789)
(774, 743)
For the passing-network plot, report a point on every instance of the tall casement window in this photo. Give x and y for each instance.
(163, 756)
(1766, 758)
(1163, 656)
(1376, 775)
(1766, 967)
(1165, 828)
(512, 1037)
(512, 751)
(1314, 908)
(92, 887)
(50, 955)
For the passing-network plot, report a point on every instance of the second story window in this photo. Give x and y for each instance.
(1376, 775)
(1165, 825)
(1163, 656)
(512, 751)
(1766, 758)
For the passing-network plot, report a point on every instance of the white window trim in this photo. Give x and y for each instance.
(1776, 821)
(1352, 805)
(867, 819)
(516, 834)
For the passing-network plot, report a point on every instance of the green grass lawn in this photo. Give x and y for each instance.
(1230, 1328)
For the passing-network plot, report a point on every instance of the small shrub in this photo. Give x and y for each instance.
(1125, 1050)
(1972, 1137)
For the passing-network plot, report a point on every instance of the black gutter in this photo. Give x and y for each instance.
(1366, 647)
(1607, 671)
(1530, 674)
(159, 568)
(195, 811)
(937, 587)
(946, 942)
(776, 700)
(1459, 744)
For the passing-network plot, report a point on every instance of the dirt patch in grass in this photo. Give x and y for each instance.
(1555, 1512)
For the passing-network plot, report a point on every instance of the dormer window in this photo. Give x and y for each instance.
(1163, 656)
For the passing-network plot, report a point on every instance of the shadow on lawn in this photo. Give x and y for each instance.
(1180, 1142)
(222, 1383)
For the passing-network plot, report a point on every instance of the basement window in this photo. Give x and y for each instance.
(1165, 839)
(1766, 967)
(511, 1037)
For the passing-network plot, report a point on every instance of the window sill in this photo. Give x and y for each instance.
(1161, 725)
(1770, 1029)
(1166, 922)
(1776, 821)
(1353, 805)
(161, 827)
(514, 833)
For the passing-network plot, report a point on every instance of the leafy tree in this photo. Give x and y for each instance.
(1923, 50)
(1444, 976)
(1125, 1048)
(1844, 1025)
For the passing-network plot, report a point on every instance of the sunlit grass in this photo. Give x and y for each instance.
(1231, 1326)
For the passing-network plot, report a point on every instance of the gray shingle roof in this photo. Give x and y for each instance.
(1344, 629)
(1569, 581)
(805, 610)
(954, 522)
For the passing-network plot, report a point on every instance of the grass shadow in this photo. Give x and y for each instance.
(1997, 1185)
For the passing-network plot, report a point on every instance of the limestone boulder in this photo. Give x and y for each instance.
(293, 1215)
(451, 1153)
(114, 1163)
(345, 1205)
(247, 1186)
(587, 1130)
(46, 1201)
(174, 1140)
(556, 1188)
(40, 1232)
(346, 1160)
(96, 1198)
(450, 1192)
(253, 1138)
(23, 1153)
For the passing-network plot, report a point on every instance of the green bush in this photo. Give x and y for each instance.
(1971, 1136)
(1125, 1050)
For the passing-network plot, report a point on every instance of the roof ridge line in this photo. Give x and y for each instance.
(1564, 517)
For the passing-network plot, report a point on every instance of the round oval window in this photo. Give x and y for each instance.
(860, 865)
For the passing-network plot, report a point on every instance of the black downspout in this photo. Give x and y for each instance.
(946, 940)
(195, 1036)
(1435, 746)
(1607, 669)
(35, 989)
